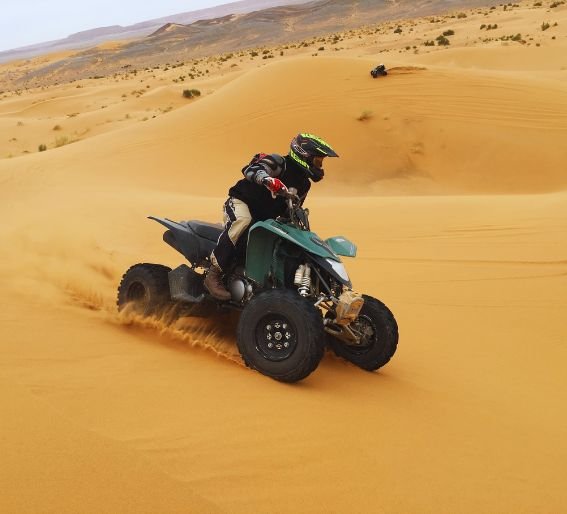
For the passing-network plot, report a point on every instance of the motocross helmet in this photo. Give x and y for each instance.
(308, 151)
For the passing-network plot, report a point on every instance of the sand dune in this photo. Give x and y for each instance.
(458, 129)
(454, 189)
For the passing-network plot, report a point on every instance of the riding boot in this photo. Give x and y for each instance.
(213, 284)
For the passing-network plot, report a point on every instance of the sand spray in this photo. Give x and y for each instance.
(77, 272)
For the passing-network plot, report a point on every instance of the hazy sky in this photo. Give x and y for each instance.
(25, 22)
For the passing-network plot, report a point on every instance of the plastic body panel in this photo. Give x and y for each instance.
(342, 246)
(267, 243)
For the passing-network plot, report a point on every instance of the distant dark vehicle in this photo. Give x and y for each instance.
(379, 71)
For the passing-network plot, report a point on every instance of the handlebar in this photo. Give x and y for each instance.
(297, 215)
(289, 194)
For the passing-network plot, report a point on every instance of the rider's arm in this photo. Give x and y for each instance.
(269, 166)
(304, 195)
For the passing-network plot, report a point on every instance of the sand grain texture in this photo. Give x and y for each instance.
(455, 191)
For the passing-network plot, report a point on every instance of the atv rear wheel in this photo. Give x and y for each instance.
(280, 334)
(146, 288)
(379, 339)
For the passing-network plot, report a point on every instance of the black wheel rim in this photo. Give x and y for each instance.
(366, 328)
(137, 293)
(276, 337)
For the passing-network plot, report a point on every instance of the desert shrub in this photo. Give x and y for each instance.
(483, 26)
(556, 4)
(443, 41)
(461, 15)
(365, 116)
(61, 141)
(398, 30)
(321, 49)
(57, 127)
(517, 37)
(545, 26)
(191, 93)
(429, 43)
(449, 33)
(537, 4)
(42, 148)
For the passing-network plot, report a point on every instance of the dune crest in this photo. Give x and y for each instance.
(417, 122)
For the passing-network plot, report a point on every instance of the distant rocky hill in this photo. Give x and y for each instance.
(232, 31)
(99, 35)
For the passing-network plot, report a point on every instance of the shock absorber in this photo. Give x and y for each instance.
(299, 275)
(302, 279)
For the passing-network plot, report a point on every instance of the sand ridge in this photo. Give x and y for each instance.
(451, 127)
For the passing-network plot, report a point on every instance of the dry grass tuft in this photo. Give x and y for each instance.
(365, 116)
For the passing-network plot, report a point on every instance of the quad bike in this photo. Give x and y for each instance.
(379, 71)
(291, 287)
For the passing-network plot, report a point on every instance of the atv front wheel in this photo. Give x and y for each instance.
(280, 334)
(146, 288)
(379, 337)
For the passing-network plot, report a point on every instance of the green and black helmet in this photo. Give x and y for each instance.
(308, 151)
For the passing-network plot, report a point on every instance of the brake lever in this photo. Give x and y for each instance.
(281, 192)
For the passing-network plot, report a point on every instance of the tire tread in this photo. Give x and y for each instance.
(314, 337)
(366, 361)
(156, 279)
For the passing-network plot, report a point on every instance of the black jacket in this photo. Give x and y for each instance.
(258, 198)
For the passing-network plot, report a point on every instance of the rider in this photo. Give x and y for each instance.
(254, 198)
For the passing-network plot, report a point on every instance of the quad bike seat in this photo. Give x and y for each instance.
(193, 239)
(209, 231)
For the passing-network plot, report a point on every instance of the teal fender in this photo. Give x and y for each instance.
(265, 251)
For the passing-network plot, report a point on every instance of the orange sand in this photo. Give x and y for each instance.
(454, 190)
